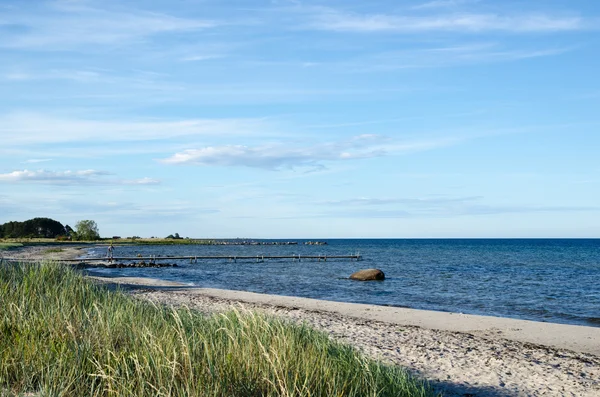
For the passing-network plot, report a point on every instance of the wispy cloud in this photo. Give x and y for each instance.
(448, 56)
(105, 210)
(84, 177)
(142, 181)
(443, 4)
(442, 206)
(68, 25)
(367, 201)
(337, 20)
(201, 57)
(35, 161)
(51, 176)
(33, 128)
(290, 156)
(69, 75)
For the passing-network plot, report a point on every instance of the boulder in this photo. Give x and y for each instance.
(368, 275)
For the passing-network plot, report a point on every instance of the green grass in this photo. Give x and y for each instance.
(7, 246)
(61, 335)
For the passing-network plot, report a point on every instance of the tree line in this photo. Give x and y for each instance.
(50, 228)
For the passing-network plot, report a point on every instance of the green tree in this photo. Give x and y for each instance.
(70, 232)
(43, 228)
(13, 229)
(36, 227)
(87, 230)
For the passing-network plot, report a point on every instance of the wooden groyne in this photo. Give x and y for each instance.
(196, 258)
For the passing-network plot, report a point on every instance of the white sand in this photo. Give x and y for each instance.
(462, 355)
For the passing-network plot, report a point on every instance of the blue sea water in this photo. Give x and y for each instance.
(553, 280)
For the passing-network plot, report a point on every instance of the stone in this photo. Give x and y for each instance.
(368, 275)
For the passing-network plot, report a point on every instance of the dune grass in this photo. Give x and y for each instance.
(7, 246)
(62, 335)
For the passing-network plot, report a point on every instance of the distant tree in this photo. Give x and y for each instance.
(13, 229)
(87, 230)
(70, 232)
(43, 228)
(35, 228)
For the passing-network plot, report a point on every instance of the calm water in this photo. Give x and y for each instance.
(544, 280)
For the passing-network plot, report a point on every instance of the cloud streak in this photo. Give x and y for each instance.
(449, 56)
(443, 4)
(432, 207)
(340, 21)
(63, 26)
(290, 156)
(31, 128)
(84, 177)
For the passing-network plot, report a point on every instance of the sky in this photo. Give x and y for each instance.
(303, 119)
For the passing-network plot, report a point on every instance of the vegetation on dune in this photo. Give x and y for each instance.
(7, 246)
(61, 335)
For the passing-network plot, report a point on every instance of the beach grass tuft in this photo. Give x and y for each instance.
(62, 335)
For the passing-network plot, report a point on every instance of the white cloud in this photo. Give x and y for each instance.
(35, 161)
(443, 206)
(335, 20)
(436, 57)
(68, 75)
(142, 181)
(84, 177)
(443, 4)
(428, 201)
(64, 26)
(57, 177)
(204, 57)
(32, 128)
(290, 156)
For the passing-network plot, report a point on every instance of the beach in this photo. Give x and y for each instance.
(460, 355)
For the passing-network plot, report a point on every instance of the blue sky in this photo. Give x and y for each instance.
(291, 119)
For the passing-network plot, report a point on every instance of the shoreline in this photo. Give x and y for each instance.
(458, 354)
(577, 338)
(466, 355)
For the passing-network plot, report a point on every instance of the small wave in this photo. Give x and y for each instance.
(593, 320)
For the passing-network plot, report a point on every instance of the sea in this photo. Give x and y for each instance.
(549, 280)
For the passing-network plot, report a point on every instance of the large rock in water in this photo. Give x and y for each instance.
(368, 275)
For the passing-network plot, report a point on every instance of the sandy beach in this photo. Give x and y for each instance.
(46, 252)
(461, 355)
